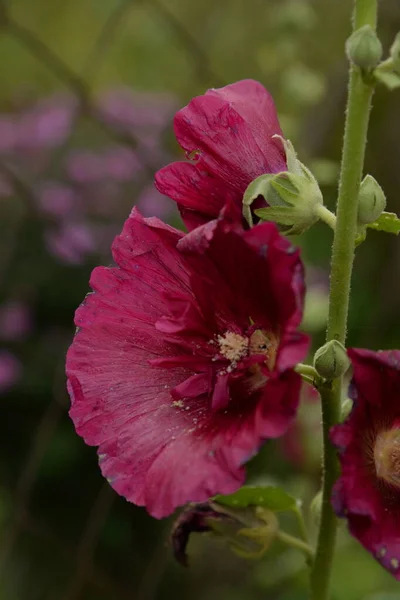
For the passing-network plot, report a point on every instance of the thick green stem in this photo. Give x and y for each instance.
(355, 137)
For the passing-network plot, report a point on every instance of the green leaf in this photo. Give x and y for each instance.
(388, 222)
(270, 497)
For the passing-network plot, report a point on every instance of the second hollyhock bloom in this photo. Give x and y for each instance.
(228, 134)
(368, 491)
(182, 365)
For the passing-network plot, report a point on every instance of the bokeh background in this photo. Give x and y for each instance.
(88, 89)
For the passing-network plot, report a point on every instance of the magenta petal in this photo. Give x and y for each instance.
(191, 187)
(221, 396)
(201, 472)
(278, 405)
(194, 386)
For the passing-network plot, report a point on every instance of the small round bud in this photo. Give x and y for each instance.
(371, 201)
(364, 48)
(316, 508)
(331, 360)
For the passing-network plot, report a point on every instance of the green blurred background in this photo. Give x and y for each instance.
(88, 89)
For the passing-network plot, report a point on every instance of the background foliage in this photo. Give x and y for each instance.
(88, 89)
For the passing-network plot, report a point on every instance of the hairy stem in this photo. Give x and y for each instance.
(355, 137)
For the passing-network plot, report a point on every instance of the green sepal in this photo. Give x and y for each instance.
(388, 78)
(270, 497)
(279, 214)
(395, 52)
(258, 187)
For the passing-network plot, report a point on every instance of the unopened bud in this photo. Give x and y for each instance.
(292, 197)
(316, 508)
(331, 360)
(364, 48)
(371, 201)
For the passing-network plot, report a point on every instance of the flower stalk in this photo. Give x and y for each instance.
(327, 216)
(294, 542)
(355, 137)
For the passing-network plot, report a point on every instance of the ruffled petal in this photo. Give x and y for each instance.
(232, 130)
(229, 135)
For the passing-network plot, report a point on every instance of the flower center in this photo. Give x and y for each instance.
(233, 346)
(387, 456)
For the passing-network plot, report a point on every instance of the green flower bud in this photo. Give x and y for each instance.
(395, 53)
(371, 201)
(364, 48)
(293, 197)
(331, 360)
(316, 508)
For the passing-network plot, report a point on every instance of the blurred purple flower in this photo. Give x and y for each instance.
(46, 124)
(126, 108)
(8, 133)
(10, 370)
(121, 163)
(84, 166)
(83, 192)
(15, 320)
(153, 204)
(116, 162)
(57, 199)
(72, 242)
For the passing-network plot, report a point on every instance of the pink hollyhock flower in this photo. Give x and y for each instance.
(10, 370)
(228, 135)
(182, 364)
(368, 491)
